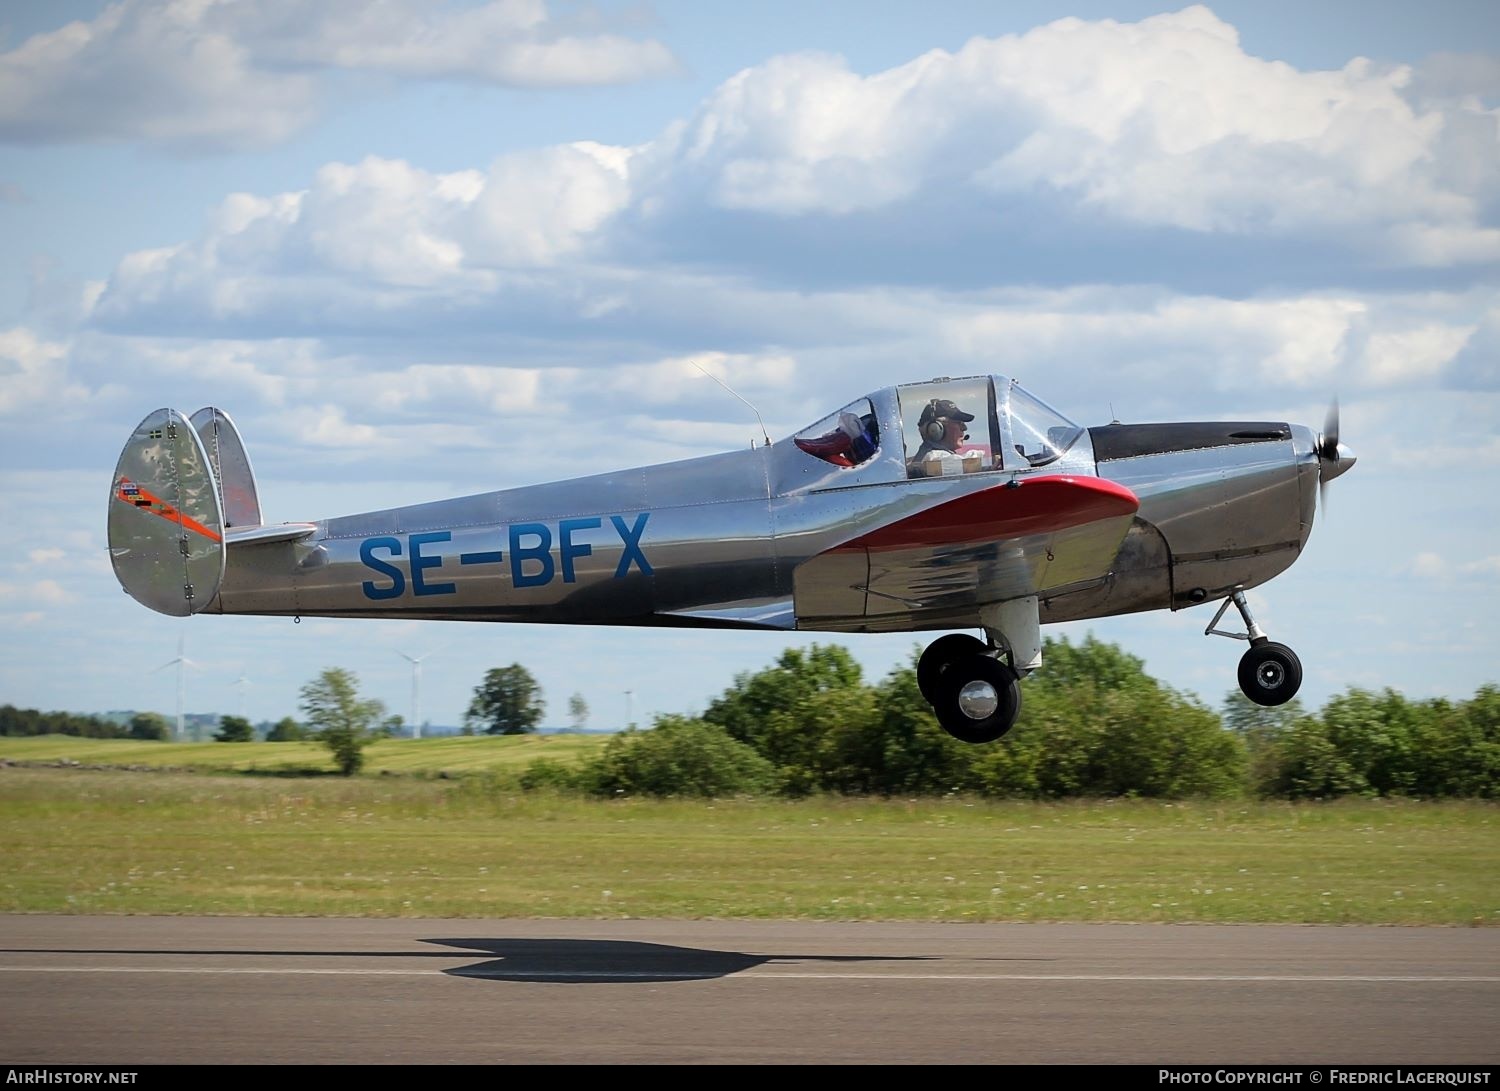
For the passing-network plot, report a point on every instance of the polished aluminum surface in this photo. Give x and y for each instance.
(165, 526)
(613, 548)
(230, 465)
(978, 700)
(1229, 516)
(1339, 465)
(753, 538)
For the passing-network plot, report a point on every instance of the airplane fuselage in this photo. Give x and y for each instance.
(744, 539)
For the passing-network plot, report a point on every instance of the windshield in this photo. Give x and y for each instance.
(1040, 433)
(849, 437)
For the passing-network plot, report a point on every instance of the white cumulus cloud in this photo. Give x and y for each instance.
(473, 386)
(1290, 342)
(680, 378)
(1164, 123)
(32, 370)
(376, 224)
(159, 72)
(1486, 566)
(387, 220)
(231, 73)
(1090, 148)
(535, 208)
(510, 42)
(1428, 565)
(1413, 354)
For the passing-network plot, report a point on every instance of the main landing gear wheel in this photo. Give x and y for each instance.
(941, 654)
(977, 698)
(1270, 673)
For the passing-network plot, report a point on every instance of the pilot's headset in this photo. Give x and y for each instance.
(932, 426)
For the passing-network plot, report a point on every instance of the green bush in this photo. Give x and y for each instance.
(899, 749)
(286, 730)
(1094, 723)
(547, 774)
(1461, 747)
(150, 726)
(234, 729)
(782, 711)
(678, 757)
(1364, 743)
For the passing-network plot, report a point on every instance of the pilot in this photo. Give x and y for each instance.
(943, 426)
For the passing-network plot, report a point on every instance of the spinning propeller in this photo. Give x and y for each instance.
(1333, 457)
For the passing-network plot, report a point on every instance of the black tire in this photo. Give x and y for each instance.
(1270, 674)
(941, 654)
(951, 704)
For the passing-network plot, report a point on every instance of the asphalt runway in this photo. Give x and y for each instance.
(228, 990)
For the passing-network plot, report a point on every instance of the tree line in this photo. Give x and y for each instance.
(148, 726)
(508, 701)
(1094, 723)
(29, 721)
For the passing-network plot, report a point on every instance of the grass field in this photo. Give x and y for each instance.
(93, 841)
(453, 755)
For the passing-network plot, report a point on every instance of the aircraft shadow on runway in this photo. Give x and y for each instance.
(620, 962)
(558, 961)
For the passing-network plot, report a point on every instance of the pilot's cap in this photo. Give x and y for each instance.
(942, 408)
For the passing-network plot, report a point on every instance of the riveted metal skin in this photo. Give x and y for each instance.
(165, 527)
(1218, 510)
(231, 466)
(779, 538)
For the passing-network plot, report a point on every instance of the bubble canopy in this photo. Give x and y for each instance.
(946, 426)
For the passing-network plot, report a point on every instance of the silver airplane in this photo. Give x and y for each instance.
(960, 503)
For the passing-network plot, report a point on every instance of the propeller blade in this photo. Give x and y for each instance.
(1333, 457)
(1328, 447)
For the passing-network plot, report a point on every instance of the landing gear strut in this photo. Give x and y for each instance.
(1270, 673)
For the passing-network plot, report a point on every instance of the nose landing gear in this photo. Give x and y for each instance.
(1269, 673)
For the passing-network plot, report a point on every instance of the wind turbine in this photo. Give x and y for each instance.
(181, 661)
(416, 690)
(242, 683)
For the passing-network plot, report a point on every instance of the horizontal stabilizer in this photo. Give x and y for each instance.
(276, 532)
(166, 527)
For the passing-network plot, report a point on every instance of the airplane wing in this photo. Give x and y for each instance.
(939, 565)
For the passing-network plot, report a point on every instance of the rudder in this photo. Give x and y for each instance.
(231, 466)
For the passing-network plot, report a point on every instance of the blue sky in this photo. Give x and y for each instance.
(389, 238)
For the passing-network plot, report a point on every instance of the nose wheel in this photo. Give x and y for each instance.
(975, 696)
(1270, 673)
